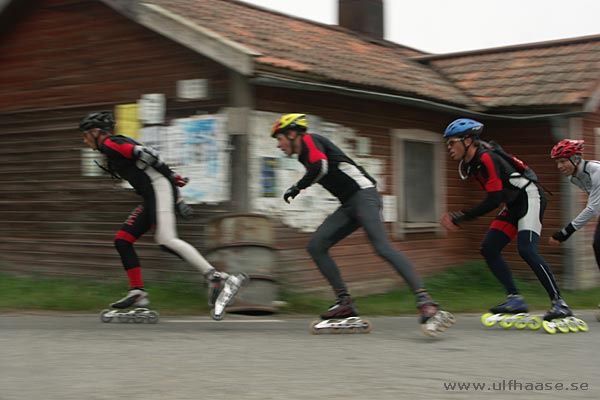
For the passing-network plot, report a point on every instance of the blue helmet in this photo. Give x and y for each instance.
(464, 127)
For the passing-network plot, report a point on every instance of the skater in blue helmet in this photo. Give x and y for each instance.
(360, 206)
(158, 186)
(507, 180)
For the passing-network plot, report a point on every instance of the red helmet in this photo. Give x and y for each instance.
(567, 148)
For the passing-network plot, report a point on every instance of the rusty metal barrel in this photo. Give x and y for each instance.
(245, 243)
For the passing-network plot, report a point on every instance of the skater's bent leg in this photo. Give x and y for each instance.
(491, 247)
(130, 262)
(135, 226)
(335, 227)
(528, 250)
(166, 230)
(368, 207)
(166, 236)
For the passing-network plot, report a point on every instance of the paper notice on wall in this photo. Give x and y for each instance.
(390, 213)
(127, 122)
(270, 167)
(152, 108)
(202, 149)
(198, 149)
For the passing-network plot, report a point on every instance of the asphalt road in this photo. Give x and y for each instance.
(78, 357)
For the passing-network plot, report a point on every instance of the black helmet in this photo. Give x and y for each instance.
(104, 120)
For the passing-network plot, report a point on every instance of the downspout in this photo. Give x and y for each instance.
(561, 129)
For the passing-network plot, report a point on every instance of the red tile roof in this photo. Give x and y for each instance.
(560, 73)
(317, 51)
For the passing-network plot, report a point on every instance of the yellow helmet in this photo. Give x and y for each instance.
(289, 122)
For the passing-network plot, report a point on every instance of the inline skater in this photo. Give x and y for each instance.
(361, 206)
(158, 185)
(568, 155)
(507, 180)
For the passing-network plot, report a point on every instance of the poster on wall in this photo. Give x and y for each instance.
(197, 148)
(272, 172)
(127, 122)
(269, 176)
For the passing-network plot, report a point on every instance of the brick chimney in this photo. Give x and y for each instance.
(362, 16)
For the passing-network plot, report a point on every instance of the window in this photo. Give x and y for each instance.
(419, 180)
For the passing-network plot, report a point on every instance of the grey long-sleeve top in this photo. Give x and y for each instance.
(588, 179)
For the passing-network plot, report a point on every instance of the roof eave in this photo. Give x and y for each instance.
(195, 37)
(284, 82)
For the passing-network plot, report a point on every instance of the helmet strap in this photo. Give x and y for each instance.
(574, 165)
(464, 170)
(292, 141)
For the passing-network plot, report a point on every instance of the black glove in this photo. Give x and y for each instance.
(457, 217)
(291, 192)
(563, 234)
(185, 211)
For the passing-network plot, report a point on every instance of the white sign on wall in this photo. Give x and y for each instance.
(197, 148)
(192, 89)
(152, 108)
(271, 172)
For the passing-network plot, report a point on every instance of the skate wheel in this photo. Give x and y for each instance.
(217, 317)
(597, 315)
(335, 330)
(447, 319)
(138, 319)
(562, 326)
(103, 316)
(582, 325)
(549, 327)
(366, 326)
(450, 317)
(572, 325)
(486, 321)
(152, 317)
(506, 321)
(534, 323)
(427, 331)
(123, 318)
(313, 328)
(520, 323)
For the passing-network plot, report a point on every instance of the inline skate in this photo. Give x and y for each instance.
(122, 312)
(342, 317)
(222, 294)
(433, 320)
(513, 312)
(560, 318)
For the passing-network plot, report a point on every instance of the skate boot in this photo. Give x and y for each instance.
(431, 317)
(226, 294)
(342, 317)
(215, 286)
(513, 312)
(137, 298)
(560, 317)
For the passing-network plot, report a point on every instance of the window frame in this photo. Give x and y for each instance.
(400, 136)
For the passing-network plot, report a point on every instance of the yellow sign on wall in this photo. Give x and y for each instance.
(128, 123)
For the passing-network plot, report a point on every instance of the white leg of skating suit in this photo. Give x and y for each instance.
(166, 228)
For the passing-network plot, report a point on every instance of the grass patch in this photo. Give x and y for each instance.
(64, 294)
(469, 288)
(472, 288)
